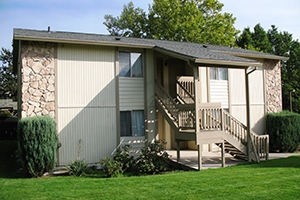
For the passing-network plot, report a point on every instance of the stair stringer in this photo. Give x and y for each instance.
(166, 116)
(235, 143)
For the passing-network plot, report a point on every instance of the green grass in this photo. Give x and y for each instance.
(273, 179)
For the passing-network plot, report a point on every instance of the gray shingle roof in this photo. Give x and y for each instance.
(186, 49)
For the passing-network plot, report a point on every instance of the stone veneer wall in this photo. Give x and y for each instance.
(38, 79)
(273, 85)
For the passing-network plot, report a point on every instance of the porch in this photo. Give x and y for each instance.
(208, 123)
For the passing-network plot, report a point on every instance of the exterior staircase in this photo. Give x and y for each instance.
(216, 124)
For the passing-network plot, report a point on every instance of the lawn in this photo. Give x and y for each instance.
(273, 179)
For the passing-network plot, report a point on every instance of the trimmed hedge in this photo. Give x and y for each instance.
(284, 131)
(38, 144)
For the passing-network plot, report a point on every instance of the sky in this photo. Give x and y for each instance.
(88, 16)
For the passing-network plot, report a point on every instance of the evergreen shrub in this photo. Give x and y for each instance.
(284, 131)
(38, 144)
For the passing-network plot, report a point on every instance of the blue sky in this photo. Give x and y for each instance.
(88, 16)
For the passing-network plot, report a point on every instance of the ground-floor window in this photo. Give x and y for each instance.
(132, 123)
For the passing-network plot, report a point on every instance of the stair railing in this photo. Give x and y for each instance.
(234, 127)
(186, 116)
(182, 115)
(167, 102)
(185, 93)
(215, 118)
(261, 144)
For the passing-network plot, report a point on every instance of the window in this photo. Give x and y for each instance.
(132, 123)
(218, 73)
(130, 64)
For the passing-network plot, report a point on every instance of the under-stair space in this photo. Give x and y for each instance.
(216, 125)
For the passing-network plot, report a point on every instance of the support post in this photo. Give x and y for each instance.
(248, 116)
(178, 150)
(199, 157)
(267, 148)
(223, 153)
(197, 124)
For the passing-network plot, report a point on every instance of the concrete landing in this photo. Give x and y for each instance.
(213, 159)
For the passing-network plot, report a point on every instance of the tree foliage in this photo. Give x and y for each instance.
(8, 80)
(278, 43)
(200, 21)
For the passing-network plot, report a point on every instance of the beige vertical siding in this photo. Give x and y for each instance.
(95, 127)
(203, 85)
(238, 97)
(131, 93)
(219, 92)
(237, 94)
(257, 97)
(86, 106)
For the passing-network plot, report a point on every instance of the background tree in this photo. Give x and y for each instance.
(257, 40)
(8, 81)
(131, 22)
(278, 43)
(199, 21)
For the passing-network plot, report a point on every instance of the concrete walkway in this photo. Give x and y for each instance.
(213, 159)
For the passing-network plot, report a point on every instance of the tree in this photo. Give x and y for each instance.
(8, 80)
(200, 21)
(278, 43)
(260, 39)
(131, 22)
(256, 40)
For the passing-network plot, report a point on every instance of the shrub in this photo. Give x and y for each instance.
(78, 168)
(284, 131)
(112, 168)
(38, 144)
(123, 156)
(153, 159)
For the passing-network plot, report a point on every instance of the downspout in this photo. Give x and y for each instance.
(19, 82)
(249, 140)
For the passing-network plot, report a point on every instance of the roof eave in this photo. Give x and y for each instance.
(86, 42)
(172, 53)
(226, 63)
(249, 55)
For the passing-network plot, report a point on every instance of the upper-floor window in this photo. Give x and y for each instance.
(218, 73)
(130, 64)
